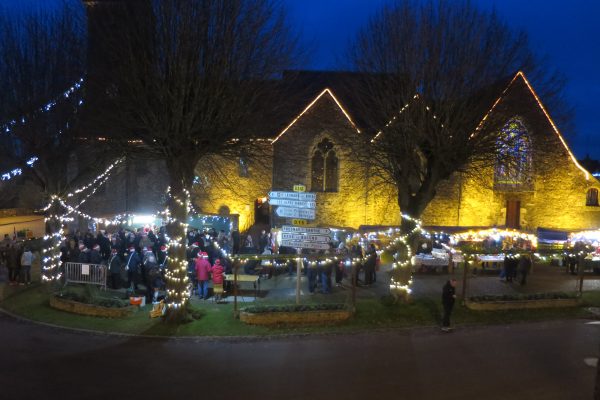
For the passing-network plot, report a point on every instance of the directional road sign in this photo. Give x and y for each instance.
(305, 238)
(292, 196)
(299, 188)
(305, 245)
(312, 231)
(293, 203)
(291, 212)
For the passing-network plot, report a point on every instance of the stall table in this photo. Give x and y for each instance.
(255, 279)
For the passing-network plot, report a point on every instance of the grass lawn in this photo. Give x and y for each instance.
(218, 319)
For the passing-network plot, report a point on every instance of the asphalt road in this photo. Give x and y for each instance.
(523, 361)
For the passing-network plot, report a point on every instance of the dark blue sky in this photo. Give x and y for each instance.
(567, 32)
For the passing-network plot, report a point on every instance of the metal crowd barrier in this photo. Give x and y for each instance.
(91, 274)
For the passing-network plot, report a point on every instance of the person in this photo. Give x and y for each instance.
(202, 273)
(524, 267)
(235, 238)
(370, 263)
(132, 266)
(114, 267)
(311, 274)
(249, 243)
(26, 261)
(84, 255)
(448, 298)
(217, 275)
(95, 256)
(263, 241)
(12, 262)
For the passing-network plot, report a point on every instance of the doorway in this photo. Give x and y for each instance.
(262, 211)
(513, 214)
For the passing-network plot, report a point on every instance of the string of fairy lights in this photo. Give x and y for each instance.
(6, 176)
(9, 126)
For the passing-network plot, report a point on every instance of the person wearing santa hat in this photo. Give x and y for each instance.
(95, 256)
(162, 257)
(203, 274)
(84, 254)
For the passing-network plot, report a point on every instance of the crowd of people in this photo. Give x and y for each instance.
(139, 257)
(18, 258)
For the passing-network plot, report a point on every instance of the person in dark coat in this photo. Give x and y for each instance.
(72, 251)
(114, 267)
(133, 267)
(84, 255)
(370, 263)
(235, 238)
(448, 298)
(95, 256)
(524, 267)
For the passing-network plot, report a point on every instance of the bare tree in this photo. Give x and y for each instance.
(42, 67)
(432, 71)
(190, 80)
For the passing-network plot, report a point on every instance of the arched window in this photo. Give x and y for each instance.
(324, 168)
(591, 199)
(513, 163)
(317, 168)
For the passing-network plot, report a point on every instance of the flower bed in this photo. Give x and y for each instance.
(295, 314)
(107, 308)
(522, 301)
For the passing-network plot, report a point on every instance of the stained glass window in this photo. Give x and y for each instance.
(513, 164)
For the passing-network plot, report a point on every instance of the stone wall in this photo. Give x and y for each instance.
(556, 198)
(357, 200)
(223, 190)
(137, 186)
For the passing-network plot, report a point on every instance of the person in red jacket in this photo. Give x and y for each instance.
(203, 273)
(217, 276)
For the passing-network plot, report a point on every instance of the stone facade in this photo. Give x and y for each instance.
(555, 198)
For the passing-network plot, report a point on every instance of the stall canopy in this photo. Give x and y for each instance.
(552, 235)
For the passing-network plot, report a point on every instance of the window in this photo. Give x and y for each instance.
(513, 163)
(591, 199)
(324, 168)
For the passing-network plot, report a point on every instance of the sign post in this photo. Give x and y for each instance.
(300, 206)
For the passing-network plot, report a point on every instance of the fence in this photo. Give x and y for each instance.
(91, 274)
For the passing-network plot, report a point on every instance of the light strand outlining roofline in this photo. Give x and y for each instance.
(312, 103)
(541, 105)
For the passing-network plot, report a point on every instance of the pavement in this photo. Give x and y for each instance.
(549, 360)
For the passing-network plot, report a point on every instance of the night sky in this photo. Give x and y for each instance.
(567, 32)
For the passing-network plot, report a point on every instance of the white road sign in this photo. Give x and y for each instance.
(290, 212)
(293, 203)
(304, 245)
(293, 196)
(305, 238)
(313, 231)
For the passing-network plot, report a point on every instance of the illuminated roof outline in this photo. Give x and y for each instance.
(312, 103)
(521, 74)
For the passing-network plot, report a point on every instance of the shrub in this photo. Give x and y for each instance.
(293, 308)
(521, 297)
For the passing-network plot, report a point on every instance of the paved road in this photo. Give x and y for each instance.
(524, 361)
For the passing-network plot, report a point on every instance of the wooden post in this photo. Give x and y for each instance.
(236, 313)
(580, 271)
(353, 271)
(298, 277)
(464, 283)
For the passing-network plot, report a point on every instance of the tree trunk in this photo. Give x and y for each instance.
(51, 251)
(177, 282)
